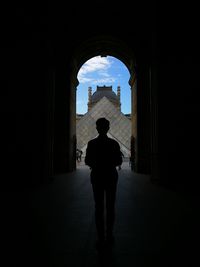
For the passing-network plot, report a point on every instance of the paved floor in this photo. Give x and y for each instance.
(154, 226)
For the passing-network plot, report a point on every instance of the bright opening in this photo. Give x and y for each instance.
(103, 91)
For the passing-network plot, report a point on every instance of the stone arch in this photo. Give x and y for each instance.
(103, 45)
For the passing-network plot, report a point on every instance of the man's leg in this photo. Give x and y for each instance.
(110, 210)
(98, 192)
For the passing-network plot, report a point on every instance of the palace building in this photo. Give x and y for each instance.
(104, 102)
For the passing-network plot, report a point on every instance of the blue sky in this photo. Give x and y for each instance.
(103, 71)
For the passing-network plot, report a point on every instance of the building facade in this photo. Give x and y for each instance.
(104, 102)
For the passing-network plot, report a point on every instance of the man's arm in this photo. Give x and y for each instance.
(88, 156)
(118, 156)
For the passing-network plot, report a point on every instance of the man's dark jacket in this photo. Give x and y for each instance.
(102, 156)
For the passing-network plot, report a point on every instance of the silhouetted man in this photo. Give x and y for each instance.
(102, 156)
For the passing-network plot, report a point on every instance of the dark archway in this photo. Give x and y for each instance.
(143, 102)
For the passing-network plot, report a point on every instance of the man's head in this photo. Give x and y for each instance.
(102, 126)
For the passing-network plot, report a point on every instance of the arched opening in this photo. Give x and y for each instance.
(104, 46)
(104, 91)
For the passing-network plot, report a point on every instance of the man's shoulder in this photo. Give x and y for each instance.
(92, 141)
(113, 141)
(97, 141)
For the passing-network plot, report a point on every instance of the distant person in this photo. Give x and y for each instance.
(120, 166)
(103, 155)
(77, 154)
(80, 155)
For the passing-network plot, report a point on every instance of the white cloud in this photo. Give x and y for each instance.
(104, 80)
(95, 64)
(85, 79)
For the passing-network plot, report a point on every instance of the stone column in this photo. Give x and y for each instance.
(89, 97)
(73, 137)
(133, 140)
(155, 175)
(119, 96)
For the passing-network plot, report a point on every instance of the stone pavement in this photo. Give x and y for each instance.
(154, 226)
